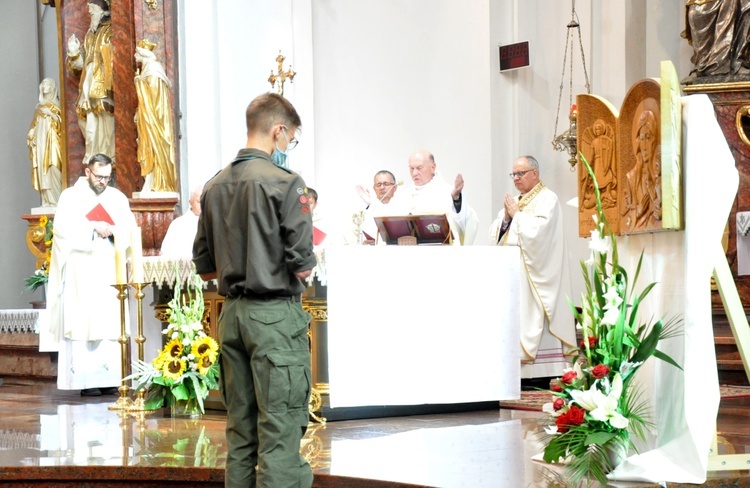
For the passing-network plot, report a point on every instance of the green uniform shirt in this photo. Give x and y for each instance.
(255, 228)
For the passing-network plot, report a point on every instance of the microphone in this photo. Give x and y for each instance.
(398, 183)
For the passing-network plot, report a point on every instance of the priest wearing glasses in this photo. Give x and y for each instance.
(84, 309)
(533, 221)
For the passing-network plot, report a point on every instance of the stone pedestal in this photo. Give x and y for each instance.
(153, 216)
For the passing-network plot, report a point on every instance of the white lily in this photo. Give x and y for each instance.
(586, 398)
(550, 429)
(606, 406)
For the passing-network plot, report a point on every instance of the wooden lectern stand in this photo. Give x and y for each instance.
(427, 229)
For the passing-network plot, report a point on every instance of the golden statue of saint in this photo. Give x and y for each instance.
(154, 122)
(95, 104)
(43, 140)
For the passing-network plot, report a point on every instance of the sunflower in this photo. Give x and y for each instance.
(204, 363)
(159, 360)
(173, 369)
(205, 346)
(173, 349)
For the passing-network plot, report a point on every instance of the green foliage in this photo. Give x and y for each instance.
(172, 376)
(596, 408)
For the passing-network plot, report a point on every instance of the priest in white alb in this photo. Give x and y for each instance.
(431, 194)
(533, 221)
(91, 219)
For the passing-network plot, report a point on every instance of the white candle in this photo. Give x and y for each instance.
(136, 248)
(120, 273)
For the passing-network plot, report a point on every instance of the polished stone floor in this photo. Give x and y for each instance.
(44, 430)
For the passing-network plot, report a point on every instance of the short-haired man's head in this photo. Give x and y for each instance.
(385, 172)
(384, 184)
(99, 172)
(525, 173)
(422, 167)
(268, 110)
(99, 160)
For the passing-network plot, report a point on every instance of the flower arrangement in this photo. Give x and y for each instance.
(41, 275)
(186, 368)
(595, 407)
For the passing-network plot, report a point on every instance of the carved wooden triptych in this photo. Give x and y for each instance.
(635, 156)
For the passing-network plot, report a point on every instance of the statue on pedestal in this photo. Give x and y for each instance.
(153, 118)
(43, 139)
(95, 104)
(718, 31)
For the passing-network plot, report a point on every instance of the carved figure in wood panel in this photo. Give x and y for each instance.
(95, 104)
(643, 186)
(598, 146)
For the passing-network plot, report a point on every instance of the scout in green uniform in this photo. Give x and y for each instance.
(255, 237)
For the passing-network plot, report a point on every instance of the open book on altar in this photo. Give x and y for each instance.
(427, 229)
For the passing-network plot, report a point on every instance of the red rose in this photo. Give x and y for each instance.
(576, 415)
(569, 377)
(562, 423)
(593, 341)
(558, 403)
(600, 371)
(556, 387)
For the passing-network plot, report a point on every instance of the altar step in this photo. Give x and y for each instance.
(20, 357)
(728, 359)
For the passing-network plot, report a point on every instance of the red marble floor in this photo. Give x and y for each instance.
(55, 438)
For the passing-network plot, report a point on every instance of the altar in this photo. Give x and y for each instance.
(415, 325)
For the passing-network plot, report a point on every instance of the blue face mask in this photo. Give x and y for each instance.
(279, 158)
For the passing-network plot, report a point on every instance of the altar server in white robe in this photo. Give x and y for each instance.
(533, 221)
(431, 194)
(84, 308)
(178, 241)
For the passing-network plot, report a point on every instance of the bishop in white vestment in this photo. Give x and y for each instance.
(533, 221)
(84, 309)
(431, 194)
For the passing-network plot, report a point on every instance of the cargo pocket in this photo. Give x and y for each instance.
(289, 380)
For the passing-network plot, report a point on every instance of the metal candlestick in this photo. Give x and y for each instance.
(124, 402)
(139, 403)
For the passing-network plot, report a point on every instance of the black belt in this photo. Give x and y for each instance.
(269, 296)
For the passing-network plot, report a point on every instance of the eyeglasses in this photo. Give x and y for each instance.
(291, 143)
(519, 174)
(383, 184)
(101, 179)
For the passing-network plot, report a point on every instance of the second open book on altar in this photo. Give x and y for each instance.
(427, 229)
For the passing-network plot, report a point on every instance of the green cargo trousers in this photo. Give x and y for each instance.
(265, 384)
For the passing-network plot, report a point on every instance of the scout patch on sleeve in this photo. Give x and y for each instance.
(304, 199)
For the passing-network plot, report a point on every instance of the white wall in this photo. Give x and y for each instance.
(19, 92)
(227, 51)
(393, 77)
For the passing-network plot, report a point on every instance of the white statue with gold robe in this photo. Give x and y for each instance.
(43, 139)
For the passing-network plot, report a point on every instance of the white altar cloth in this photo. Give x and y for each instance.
(413, 325)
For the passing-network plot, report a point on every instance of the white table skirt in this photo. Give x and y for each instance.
(412, 325)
